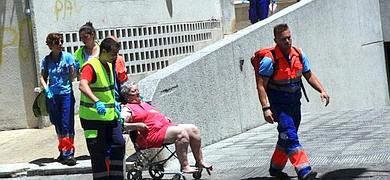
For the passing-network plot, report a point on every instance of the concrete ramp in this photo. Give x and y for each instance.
(215, 88)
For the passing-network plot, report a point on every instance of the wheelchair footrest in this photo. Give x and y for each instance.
(130, 165)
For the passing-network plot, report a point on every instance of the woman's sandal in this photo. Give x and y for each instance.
(190, 172)
(208, 169)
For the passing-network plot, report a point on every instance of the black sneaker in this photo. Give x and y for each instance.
(70, 161)
(60, 158)
(309, 176)
(279, 174)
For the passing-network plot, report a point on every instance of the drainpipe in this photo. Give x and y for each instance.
(28, 12)
(30, 26)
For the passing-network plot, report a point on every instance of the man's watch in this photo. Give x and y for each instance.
(266, 108)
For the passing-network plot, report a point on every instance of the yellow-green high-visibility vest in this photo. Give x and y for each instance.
(79, 55)
(103, 89)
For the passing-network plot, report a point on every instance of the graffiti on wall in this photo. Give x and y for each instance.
(65, 8)
(17, 36)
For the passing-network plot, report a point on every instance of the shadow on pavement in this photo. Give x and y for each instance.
(347, 174)
(263, 178)
(344, 174)
(44, 161)
(83, 157)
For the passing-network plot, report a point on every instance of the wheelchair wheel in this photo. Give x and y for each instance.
(156, 171)
(134, 174)
(197, 174)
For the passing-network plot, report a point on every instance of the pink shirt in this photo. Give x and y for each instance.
(157, 123)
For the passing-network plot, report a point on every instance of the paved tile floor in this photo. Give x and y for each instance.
(341, 145)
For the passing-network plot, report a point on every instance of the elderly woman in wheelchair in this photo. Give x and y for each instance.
(154, 129)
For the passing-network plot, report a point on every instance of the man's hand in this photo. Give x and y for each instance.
(325, 97)
(268, 116)
(101, 109)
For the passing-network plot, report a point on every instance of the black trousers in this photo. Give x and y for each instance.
(107, 149)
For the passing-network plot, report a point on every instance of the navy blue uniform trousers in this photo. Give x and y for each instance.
(258, 10)
(61, 114)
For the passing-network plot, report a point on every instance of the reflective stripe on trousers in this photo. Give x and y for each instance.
(288, 117)
(108, 144)
(279, 158)
(66, 147)
(61, 114)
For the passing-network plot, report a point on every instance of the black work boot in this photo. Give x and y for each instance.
(278, 174)
(60, 158)
(309, 176)
(70, 161)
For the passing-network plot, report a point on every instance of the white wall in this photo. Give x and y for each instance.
(70, 15)
(17, 68)
(343, 40)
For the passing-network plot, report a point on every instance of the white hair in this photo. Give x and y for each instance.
(126, 88)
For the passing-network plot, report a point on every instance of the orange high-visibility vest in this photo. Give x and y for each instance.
(285, 73)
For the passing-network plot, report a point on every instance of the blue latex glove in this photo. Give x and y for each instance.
(101, 109)
(48, 93)
(76, 66)
(118, 109)
(118, 112)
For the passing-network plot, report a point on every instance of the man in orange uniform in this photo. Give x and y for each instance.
(279, 87)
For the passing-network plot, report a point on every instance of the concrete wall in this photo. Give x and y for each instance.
(69, 15)
(242, 15)
(17, 67)
(228, 16)
(385, 17)
(343, 40)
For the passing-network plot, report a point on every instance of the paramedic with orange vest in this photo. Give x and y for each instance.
(279, 87)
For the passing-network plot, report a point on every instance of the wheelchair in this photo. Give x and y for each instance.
(143, 161)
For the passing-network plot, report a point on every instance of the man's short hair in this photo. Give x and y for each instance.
(108, 44)
(278, 29)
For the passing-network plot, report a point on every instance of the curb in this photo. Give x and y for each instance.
(45, 169)
(48, 169)
(15, 170)
(55, 168)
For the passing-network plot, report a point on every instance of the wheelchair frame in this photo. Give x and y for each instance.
(155, 168)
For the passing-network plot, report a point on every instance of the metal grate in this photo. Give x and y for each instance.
(152, 47)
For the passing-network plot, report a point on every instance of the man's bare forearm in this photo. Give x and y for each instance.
(261, 89)
(314, 82)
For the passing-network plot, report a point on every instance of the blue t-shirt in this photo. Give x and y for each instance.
(58, 72)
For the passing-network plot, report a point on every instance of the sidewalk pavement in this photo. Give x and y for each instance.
(341, 145)
(33, 152)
